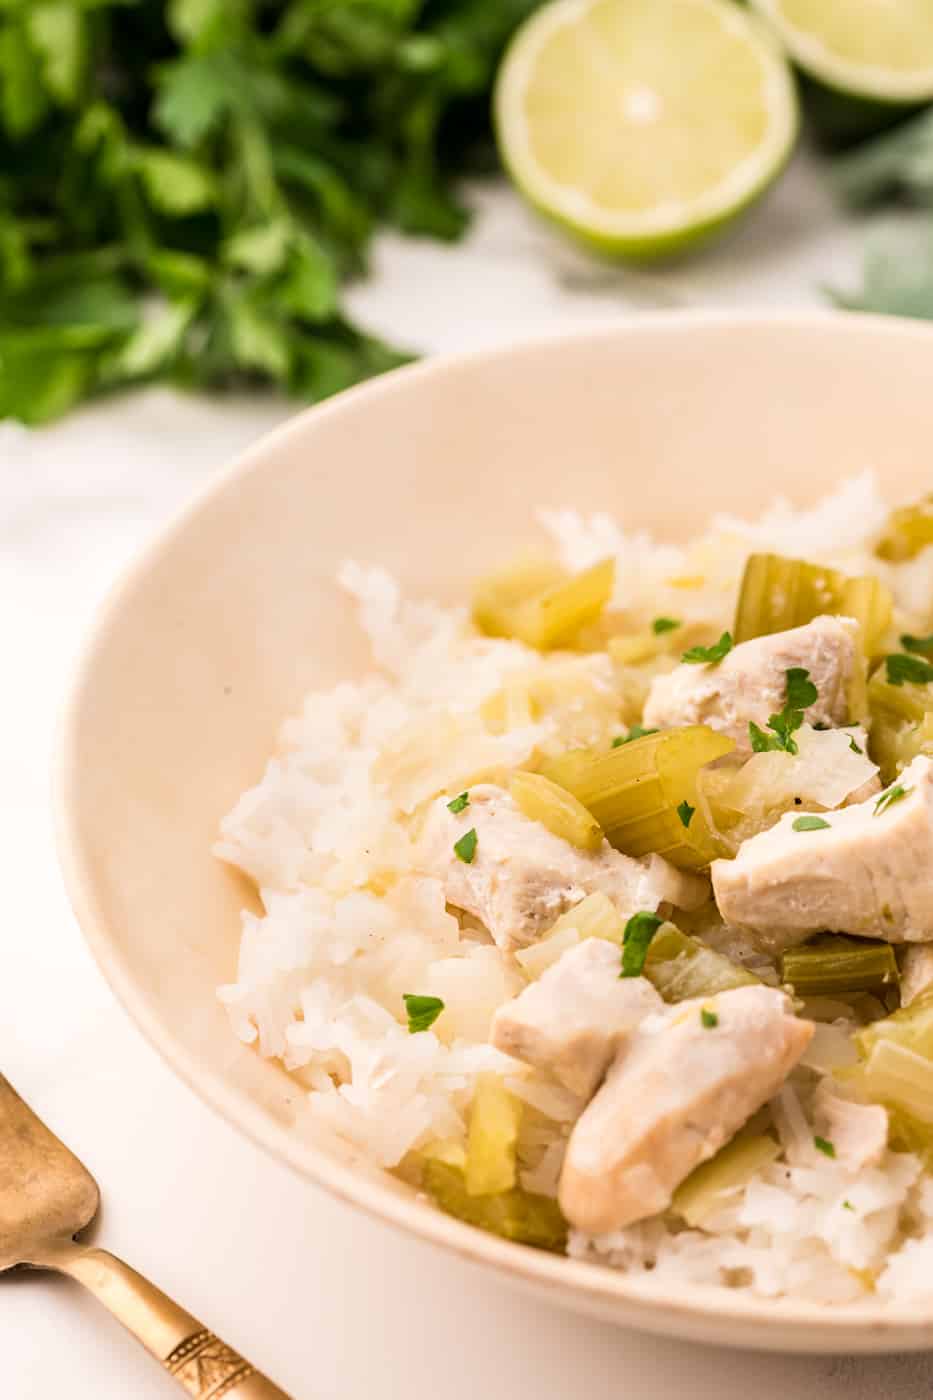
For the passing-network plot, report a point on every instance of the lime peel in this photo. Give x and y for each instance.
(621, 105)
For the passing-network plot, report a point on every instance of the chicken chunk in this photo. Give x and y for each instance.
(682, 1088)
(916, 973)
(575, 1018)
(521, 877)
(750, 683)
(869, 872)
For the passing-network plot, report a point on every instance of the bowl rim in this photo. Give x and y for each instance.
(682, 1310)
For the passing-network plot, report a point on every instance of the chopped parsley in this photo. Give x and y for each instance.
(713, 654)
(888, 799)
(854, 746)
(908, 668)
(422, 1012)
(799, 694)
(824, 1146)
(458, 803)
(465, 848)
(685, 812)
(637, 731)
(923, 645)
(708, 1019)
(810, 824)
(636, 941)
(664, 624)
(847, 1205)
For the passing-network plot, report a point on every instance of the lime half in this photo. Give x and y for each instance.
(881, 49)
(643, 125)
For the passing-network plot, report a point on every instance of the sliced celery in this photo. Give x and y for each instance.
(681, 967)
(909, 529)
(495, 1118)
(634, 792)
(777, 593)
(557, 809)
(541, 605)
(594, 917)
(515, 1214)
(535, 960)
(900, 1077)
(833, 965)
(911, 1028)
(707, 1188)
(901, 723)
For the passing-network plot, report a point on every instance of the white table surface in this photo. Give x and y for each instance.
(334, 1306)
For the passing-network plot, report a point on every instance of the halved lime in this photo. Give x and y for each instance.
(643, 125)
(879, 49)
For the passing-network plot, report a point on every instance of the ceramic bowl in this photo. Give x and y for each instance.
(433, 471)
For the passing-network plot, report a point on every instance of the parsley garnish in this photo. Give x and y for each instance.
(458, 803)
(902, 668)
(685, 812)
(712, 654)
(636, 732)
(824, 1146)
(636, 941)
(854, 746)
(223, 166)
(422, 1012)
(888, 798)
(810, 824)
(465, 848)
(664, 624)
(799, 694)
(923, 645)
(847, 1205)
(708, 1019)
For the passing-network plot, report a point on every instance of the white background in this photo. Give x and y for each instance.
(329, 1303)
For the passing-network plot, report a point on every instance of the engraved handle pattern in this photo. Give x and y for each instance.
(204, 1366)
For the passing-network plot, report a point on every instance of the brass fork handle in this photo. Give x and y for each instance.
(204, 1366)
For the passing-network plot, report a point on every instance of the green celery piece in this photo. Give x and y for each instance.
(515, 1215)
(681, 967)
(834, 965)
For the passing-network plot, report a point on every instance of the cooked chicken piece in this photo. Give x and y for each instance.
(916, 973)
(869, 873)
(575, 1018)
(678, 1091)
(751, 682)
(522, 878)
(857, 1131)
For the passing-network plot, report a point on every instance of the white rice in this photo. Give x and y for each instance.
(348, 926)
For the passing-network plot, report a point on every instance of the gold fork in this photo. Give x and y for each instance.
(46, 1198)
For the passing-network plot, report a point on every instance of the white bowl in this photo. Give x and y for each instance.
(433, 471)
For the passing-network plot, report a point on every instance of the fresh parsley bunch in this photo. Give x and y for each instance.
(185, 187)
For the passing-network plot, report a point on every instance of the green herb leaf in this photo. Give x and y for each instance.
(708, 1019)
(685, 812)
(847, 1205)
(800, 692)
(664, 624)
(908, 668)
(854, 746)
(810, 824)
(465, 848)
(636, 941)
(457, 804)
(711, 655)
(888, 798)
(422, 1012)
(923, 645)
(824, 1146)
